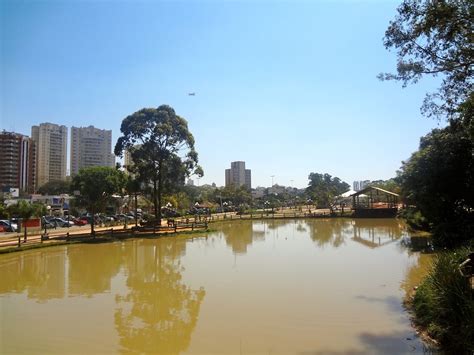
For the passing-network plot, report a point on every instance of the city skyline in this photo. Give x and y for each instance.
(304, 101)
(80, 156)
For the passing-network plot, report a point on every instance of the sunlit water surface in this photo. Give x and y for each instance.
(299, 287)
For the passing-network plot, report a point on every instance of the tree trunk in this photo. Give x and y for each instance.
(160, 189)
(155, 200)
(25, 233)
(93, 222)
(136, 217)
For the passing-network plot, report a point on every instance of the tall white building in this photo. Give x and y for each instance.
(90, 146)
(51, 152)
(237, 175)
(359, 185)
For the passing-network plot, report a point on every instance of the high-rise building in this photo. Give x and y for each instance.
(51, 152)
(359, 185)
(356, 186)
(90, 146)
(237, 175)
(17, 161)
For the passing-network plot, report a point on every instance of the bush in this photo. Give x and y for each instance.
(414, 218)
(443, 304)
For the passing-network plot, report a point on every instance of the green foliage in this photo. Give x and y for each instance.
(414, 218)
(96, 186)
(161, 148)
(439, 180)
(235, 195)
(55, 187)
(435, 38)
(322, 189)
(26, 210)
(4, 213)
(443, 303)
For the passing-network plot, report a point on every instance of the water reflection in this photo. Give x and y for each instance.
(416, 271)
(329, 231)
(41, 274)
(159, 312)
(239, 235)
(91, 268)
(290, 291)
(374, 233)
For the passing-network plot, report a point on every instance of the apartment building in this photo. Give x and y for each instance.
(51, 152)
(90, 146)
(17, 161)
(237, 175)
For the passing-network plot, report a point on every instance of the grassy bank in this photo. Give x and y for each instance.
(443, 304)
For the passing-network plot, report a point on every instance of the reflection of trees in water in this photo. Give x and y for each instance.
(92, 266)
(238, 235)
(374, 232)
(40, 273)
(329, 231)
(416, 272)
(159, 313)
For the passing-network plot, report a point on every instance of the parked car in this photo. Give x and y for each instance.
(61, 222)
(122, 217)
(85, 220)
(7, 226)
(169, 212)
(45, 222)
(80, 221)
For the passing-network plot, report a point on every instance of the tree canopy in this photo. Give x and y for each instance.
(435, 38)
(26, 211)
(439, 180)
(55, 187)
(235, 195)
(161, 148)
(322, 188)
(96, 185)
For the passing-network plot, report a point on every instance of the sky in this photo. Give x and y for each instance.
(289, 87)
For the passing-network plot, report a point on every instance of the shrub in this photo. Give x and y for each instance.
(414, 218)
(443, 304)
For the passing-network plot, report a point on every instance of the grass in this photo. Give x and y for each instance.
(443, 304)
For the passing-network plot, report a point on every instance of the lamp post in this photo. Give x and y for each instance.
(225, 206)
(48, 208)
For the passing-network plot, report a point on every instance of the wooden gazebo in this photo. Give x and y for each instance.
(373, 202)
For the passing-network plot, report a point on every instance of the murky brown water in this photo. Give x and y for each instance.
(306, 287)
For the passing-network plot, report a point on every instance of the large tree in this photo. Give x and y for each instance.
(322, 188)
(93, 187)
(435, 38)
(439, 180)
(161, 148)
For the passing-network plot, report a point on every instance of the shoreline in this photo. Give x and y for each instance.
(105, 238)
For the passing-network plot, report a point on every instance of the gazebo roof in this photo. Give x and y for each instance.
(369, 188)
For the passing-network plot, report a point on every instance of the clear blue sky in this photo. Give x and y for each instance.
(288, 87)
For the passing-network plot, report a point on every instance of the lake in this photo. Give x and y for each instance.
(315, 286)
